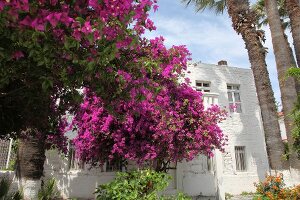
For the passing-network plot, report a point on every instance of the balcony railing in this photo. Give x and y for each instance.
(210, 99)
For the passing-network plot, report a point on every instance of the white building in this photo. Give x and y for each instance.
(243, 163)
(245, 159)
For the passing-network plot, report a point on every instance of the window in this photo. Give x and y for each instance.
(240, 158)
(209, 162)
(74, 163)
(115, 165)
(234, 98)
(203, 86)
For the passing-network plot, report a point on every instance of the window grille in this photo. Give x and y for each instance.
(240, 158)
(235, 104)
(203, 86)
(115, 165)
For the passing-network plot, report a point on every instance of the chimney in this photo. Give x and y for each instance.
(222, 62)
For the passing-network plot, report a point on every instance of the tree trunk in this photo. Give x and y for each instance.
(243, 22)
(293, 9)
(30, 162)
(283, 63)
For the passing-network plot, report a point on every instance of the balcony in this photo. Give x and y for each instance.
(210, 99)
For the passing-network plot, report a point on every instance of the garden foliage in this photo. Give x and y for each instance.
(143, 184)
(295, 72)
(5, 193)
(48, 190)
(273, 188)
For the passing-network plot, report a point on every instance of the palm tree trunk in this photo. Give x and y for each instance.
(30, 163)
(243, 21)
(283, 63)
(293, 9)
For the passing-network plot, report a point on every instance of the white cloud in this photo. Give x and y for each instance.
(207, 40)
(210, 38)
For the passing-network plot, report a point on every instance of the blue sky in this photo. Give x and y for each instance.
(209, 37)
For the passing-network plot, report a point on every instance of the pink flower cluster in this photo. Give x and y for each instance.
(172, 125)
(162, 118)
(86, 21)
(57, 138)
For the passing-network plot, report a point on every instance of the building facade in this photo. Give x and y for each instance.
(234, 171)
(243, 163)
(245, 158)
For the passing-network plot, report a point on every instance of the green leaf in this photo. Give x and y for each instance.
(40, 63)
(47, 84)
(80, 19)
(90, 66)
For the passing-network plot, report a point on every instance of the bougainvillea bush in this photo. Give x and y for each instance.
(136, 104)
(164, 121)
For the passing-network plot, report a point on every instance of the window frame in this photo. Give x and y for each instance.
(210, 164)
(232, 103)
(115, 166)
(202, 88)
(241, 164)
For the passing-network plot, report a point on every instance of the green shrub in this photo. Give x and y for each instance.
(5, 184)
(48, 191)
(134, 185)
(228, 196)
(178, 196)
(244, 193)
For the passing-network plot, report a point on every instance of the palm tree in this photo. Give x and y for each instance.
(30, 163)
(243, 22)
(284, 61)
(293, 9)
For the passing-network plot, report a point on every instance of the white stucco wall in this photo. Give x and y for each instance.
(282, 127)
(82, 183)
(243, 129)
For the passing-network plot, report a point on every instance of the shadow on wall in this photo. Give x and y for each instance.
(243, 129)
(196, 177)
(74, 183)
(81, 183)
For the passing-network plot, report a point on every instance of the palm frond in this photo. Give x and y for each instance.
(200, 5)
(261, 15)
(220, 6)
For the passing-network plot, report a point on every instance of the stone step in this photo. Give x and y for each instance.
(242, 197)
(204, 198)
